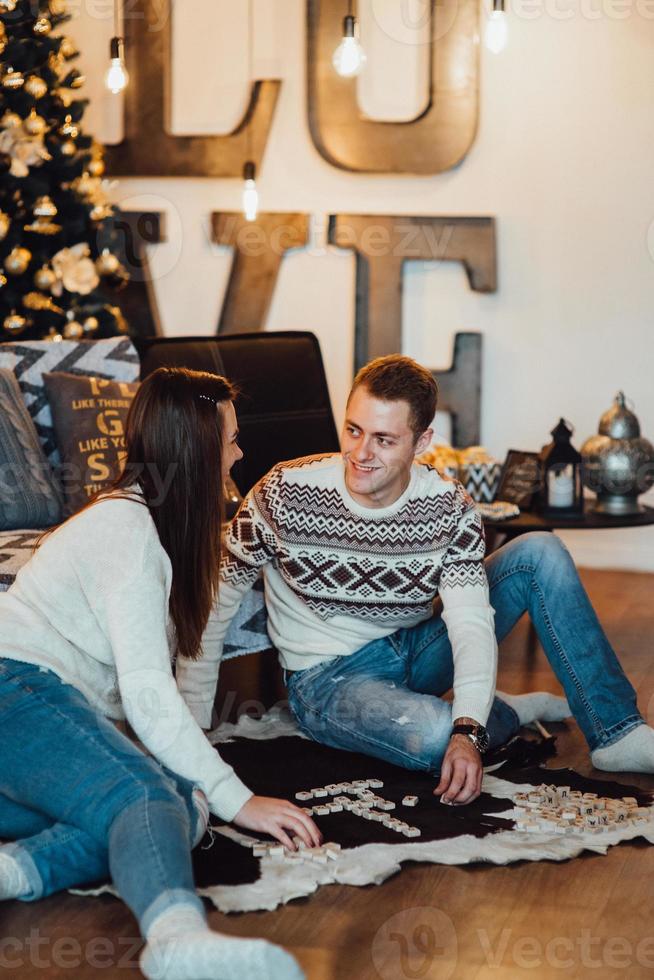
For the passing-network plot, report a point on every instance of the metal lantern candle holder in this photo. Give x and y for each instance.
(561, 491)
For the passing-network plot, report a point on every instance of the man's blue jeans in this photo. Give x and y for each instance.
(82, 802)
(386, 699)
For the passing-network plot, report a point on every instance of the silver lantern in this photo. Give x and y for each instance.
(618, 464)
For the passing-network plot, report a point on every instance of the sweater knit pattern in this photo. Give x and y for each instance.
(341, 563)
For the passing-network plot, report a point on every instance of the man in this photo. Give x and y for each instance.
(354, 549)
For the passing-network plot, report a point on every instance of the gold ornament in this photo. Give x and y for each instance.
(42, 26)
(7, 6)
(44, 278)
(3, 37)
(96, 167)
(45, 207)
(73, 330)
(15, 323)
(35, 86)
(63, 96)
(54, 336)
(122, 325)
(68, 148)
(10, 119)
(18, 260)
(84, 184)
(57, 8)
(100, 212)
(68, 48)
(3, 280)
(107, 263)
(69, 128)
(34, 124)
(37, 301)
(55, 61)
(42, 226)
(13, 79)
(5, 224)
(77, 81)
(91, 324)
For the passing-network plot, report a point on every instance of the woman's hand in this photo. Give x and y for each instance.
(274, 817)
(461, 772)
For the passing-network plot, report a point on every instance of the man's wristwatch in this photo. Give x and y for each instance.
(476, 733)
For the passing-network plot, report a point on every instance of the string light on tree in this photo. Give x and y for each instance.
(497, 28)
(349, 57)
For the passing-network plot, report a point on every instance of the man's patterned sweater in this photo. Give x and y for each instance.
(338, 575)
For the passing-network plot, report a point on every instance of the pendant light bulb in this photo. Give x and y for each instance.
(349, 57)
(250, 192)
(497, 28)
(116, 77)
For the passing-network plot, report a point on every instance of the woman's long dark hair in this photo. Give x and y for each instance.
(174, 440)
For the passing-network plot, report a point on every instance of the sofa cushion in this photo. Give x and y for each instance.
(29, 497)
(114, 358)
(89, 416)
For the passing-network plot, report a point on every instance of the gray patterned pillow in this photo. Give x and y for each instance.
(113, 358)
(29, 497)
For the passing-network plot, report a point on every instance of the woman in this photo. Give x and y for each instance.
(87, 632)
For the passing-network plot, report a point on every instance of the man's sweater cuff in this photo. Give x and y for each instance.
(471, 709)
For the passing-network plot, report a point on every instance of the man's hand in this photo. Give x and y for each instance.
(271, 816)
(461, 772)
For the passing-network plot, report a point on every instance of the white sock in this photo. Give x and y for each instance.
(634, 752)
(13, 883)
(538, 705)
(181, 946)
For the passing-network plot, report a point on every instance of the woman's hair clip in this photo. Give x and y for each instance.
(208, 398)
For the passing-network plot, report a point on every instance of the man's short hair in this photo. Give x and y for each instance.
(397, 378)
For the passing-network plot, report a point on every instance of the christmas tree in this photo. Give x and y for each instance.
(57, 234)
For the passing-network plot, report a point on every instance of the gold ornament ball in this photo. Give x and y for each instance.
(10, 119)
(45, 207)
(18, 260)
(42, 26)
(107, 263)
(5, 224)
(96, 167)
(3, 280)
(34, 124)
(68, 148)
(13, 79)
(15, 323)
(35, 86)
(57, 7)
(91, 324)
(44, 278)
(68, 48)
(73, 330)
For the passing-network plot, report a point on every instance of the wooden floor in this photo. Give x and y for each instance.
(590, 917)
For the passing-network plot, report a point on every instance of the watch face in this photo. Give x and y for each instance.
(482, 738)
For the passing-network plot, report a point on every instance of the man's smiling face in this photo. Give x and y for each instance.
(378, 447)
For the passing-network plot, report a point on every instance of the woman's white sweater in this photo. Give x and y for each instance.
(92, 606)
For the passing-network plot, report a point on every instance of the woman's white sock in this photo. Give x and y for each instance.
(13, 883)
(536, 706)
(181, 946)
(634, 752)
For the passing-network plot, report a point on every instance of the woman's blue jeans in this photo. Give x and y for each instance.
(81, 802)
(386, 699)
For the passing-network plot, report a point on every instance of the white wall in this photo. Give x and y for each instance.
(563, 159)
